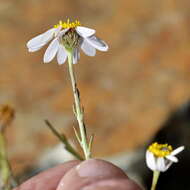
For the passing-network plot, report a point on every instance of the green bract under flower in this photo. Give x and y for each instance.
(71, 39)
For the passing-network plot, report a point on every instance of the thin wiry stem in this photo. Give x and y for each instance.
(78, 110)
(156, 175)
(5, 168)
(64, 140)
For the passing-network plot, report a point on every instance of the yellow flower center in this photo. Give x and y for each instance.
(67, 24)
(160, 150)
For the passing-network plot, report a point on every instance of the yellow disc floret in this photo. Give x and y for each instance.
(67, 24)
(160, 150)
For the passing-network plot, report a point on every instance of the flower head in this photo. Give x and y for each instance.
(7, 114)
(67, 36)
(159, 157)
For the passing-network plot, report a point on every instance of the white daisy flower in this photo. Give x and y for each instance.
(67, 36)
(159, 157)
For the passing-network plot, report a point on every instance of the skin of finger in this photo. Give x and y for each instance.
(89, 172)
(113, 184)
(48, 179)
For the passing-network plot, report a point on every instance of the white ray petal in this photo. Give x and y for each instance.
(76, 55)
(168, 164)
(97, 43)
(40, 40)
(172, 158)
(34, 49)
(84, 31)
(177, 150)
(51, 51)
(57, 31)
(160, 164)
(61, 55)
(150, 160)
(62, 32)
(88, 49)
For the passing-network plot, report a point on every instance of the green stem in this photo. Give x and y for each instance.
(4, 165)
(156, 175)
(78, 109)
(64, 140)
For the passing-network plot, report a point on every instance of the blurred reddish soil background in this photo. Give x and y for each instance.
(127, 92)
